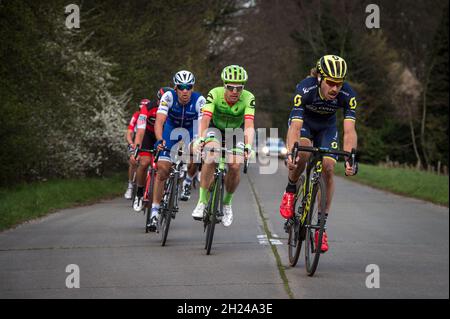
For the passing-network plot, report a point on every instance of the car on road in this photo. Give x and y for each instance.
(274, 147)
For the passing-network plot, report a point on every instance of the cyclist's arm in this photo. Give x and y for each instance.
(131, 127)
(161, 115)
(293, 134)
(159, 125)
(350, 136)
(203, 126)
(141, 126)
(249, 121)
(207, 112)
(130, 136)
(249, 131)
(295, 120)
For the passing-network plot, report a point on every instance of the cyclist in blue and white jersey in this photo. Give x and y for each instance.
(178, 113)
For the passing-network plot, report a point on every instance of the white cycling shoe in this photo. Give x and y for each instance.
(129, 192)
(137, 205)
(198, 211)
(227, 218)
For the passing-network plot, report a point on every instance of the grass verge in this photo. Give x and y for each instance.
(407, 182)
(30, 201)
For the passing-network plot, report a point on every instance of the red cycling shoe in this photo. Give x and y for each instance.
(324, 247)
(287, 205)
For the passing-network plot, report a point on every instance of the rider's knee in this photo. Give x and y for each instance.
(234, 168)
(163, 172)
(328, 168)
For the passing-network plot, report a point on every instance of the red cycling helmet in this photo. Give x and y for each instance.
(144, 102)
(161, 92)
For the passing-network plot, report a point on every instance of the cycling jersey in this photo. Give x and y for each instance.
(180, 119)
(225, 116)
(309, 103)
(146, 120)
(319, 115)
(147, 117)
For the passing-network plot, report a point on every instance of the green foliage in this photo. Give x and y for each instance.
(412, 183)
(38, 199)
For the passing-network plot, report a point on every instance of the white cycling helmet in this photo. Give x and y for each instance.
(184, 77)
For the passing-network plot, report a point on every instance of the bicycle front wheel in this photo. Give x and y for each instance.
(212, 212)
(295, 239)
(313, 249)
(167, 214)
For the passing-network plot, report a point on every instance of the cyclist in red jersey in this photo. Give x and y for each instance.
(130, 135)
(145, 138)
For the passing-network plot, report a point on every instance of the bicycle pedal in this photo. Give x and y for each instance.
(198, 218)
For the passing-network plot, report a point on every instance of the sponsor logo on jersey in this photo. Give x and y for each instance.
(307, 90)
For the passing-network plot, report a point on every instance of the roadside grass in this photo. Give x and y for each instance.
(38, 199)
(402, 181)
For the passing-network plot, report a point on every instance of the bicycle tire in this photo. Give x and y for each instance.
(312, 253)
(168, 212)
(294, 230)
(216, 200)
(148, 209)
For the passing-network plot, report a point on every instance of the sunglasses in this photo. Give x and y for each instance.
(332, 83)
(238, 88)
(183, 87)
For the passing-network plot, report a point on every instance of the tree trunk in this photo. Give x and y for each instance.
(424, 114)
(413, 135)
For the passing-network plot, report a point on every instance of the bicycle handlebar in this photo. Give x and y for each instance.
(138, 150)
(224, 149)
(180, 152)
(323, 150)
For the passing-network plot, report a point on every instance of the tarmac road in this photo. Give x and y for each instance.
(407, 239)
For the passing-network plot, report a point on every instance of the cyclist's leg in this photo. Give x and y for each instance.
(191, 172)
(207, 176)
(329, 138)
(144, 163)
(294, 175)
(287, 201)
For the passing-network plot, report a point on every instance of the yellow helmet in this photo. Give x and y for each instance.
(332, 66)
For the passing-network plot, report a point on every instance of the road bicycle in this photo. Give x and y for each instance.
(149, 185)
(214, 210)
(169, 203)
(309, 207)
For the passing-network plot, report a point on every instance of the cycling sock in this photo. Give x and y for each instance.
(204, 194)
(155, 210)
(140, 191)
(188, 180)
(130, 184)
(318, 219)
(228, 198)
(291, 187)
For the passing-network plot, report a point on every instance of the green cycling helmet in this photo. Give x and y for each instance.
(234, 74)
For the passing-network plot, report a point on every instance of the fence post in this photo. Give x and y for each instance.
(439, 168)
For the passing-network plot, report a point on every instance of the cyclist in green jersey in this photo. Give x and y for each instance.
(227, 107)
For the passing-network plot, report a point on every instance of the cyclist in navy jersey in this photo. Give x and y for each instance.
(313, 122)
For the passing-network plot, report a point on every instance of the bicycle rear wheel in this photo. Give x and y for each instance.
(214, 207)
(295, 239)
(318, 204)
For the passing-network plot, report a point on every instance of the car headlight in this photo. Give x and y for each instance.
(265, 150)
(284, 151)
